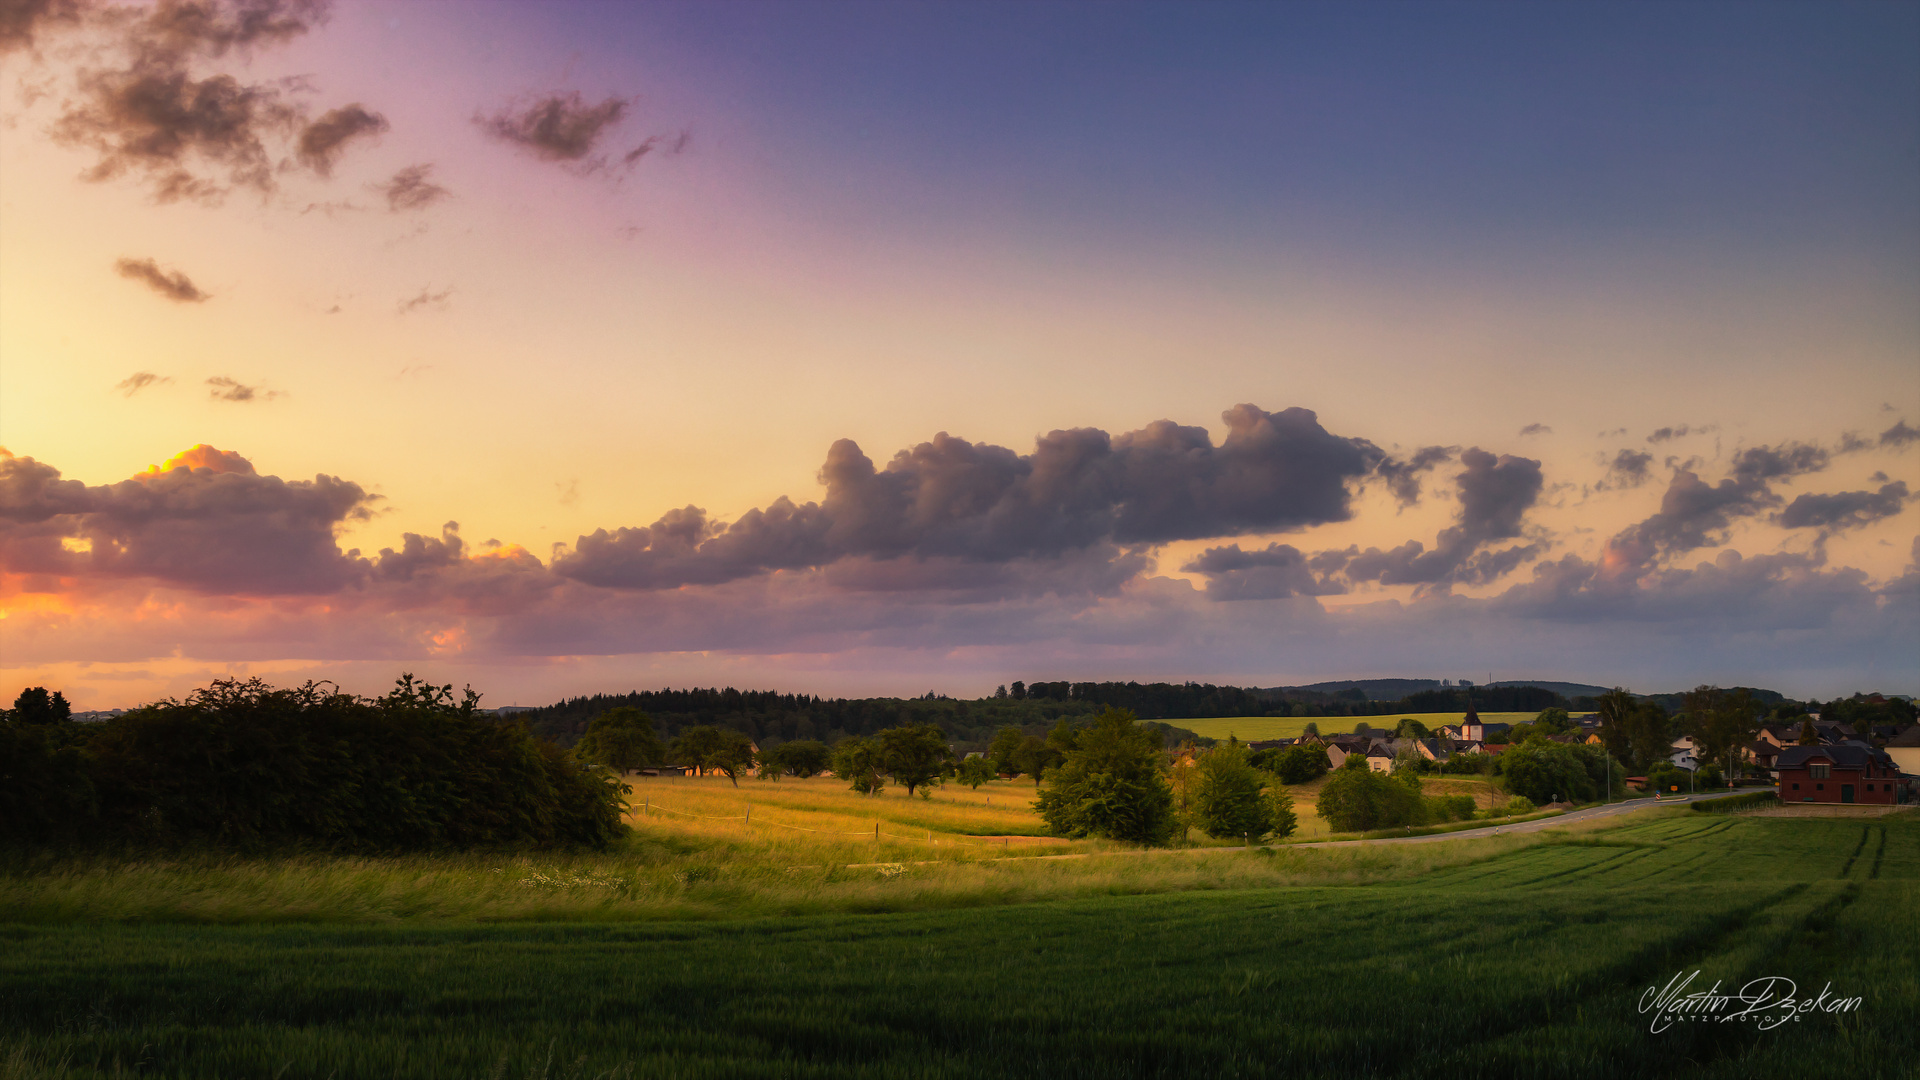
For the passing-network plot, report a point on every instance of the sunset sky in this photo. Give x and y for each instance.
(891, 347)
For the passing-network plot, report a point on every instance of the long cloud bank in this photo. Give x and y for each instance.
(964, 548)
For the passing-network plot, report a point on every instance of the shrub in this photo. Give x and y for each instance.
(1450, 808)
(1519, 804)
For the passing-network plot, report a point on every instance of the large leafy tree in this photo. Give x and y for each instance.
(1112, 784)
(722, 749)
(975, 771)
(622, 739)
(1006, 743)
(860, 761)
(1231, 797)
(801, 757)
(36, 706)
(914, 754)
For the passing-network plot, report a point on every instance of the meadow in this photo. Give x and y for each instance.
(1258, 728)
(1507, 957)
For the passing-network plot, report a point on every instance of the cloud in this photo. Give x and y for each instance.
(1403, 477)
(21, 20)
(1667, 434)
(174, 286)
(1536, 429)
(139, 381)
(142, 100)
(426, 298)
(558, 127)
(226, 389)
(1275, 572)
(1695, 514)
(1899, 436)
(1495, 494)
(1629, 469)
(949, 498)
(1843, 510)
(323, 141)
(409, 189)
(205, 521)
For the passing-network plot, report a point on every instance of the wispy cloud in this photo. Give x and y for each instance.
(226, 389)
(409, 189)
(557, 127)
(425, 299)
(139, 381)
(174, 285)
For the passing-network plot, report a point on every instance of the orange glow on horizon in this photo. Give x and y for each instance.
(201, 456)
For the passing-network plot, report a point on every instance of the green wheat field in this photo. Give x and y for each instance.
(692, 953)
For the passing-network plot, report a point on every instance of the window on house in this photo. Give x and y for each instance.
(1821, 772)
(1819, 787)
(1796, 787)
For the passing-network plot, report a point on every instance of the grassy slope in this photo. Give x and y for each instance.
(1503, 958)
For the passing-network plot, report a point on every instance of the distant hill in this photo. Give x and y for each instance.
(1564, 689)
(1375, 689)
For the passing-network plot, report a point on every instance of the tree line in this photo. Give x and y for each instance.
(240, 765)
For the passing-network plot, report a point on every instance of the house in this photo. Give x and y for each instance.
(1471, 729)
(1904, 749)
(1762, 753)
(1848, 773)
(1490, 730)
(1781, 735)
(1380, 755)
(1434, 749)
(1684, 753)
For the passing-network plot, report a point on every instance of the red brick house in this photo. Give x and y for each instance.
(1846, 773)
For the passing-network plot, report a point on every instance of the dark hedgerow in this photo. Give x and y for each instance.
(244, 765)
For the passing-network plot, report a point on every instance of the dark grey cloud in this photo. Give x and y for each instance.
(1695, 514)
(1899, 436)
(226, 389)
(557, 127)
(218, 526)
(324, 140)
(949, 498)
(1628, 469)
(174, 285)
(1762, 463)
(1271, 573)
(1403, 477)
(139, 381)
(409, 189)
(1495, 494)
(1536, 429)
(1844, 510)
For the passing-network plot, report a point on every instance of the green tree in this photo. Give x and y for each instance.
(1809, 736)
(804, 757)
(914, 754)
(36, 706)
(975, 771)
(1358, 799)
(860, 762)
(1412, 729)
(1006, 743)
(1034, 757)
(1301, 764)
(1554, 721)
(1112, 784)
(1228, 798)
(709, 747)
(622, 739)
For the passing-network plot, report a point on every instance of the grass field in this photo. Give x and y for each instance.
(1257, 728)
(1511, 957)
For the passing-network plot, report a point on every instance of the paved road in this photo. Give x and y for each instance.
(1591, 812)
